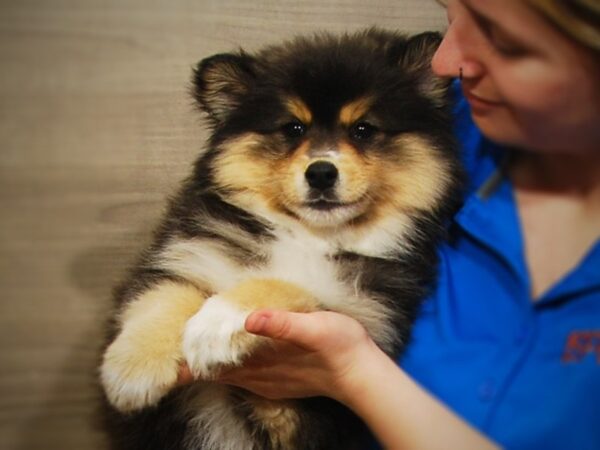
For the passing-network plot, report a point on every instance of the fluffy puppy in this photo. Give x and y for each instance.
(325, 184)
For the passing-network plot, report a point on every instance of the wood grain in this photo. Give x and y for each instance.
(96, 130)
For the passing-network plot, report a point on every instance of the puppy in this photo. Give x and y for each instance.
(326, 182)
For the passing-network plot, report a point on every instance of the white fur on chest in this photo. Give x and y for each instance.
(304, 260)
(296, 257)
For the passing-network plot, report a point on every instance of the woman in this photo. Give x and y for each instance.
(511, 339)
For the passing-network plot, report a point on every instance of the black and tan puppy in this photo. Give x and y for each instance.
(328, 176)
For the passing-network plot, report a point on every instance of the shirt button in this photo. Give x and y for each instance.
(487, 390)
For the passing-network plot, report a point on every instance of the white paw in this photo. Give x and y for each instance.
(215, 337)
(133, 380)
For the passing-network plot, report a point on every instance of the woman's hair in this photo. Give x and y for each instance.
(579, 19)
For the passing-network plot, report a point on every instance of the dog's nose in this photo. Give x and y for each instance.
(321, 175)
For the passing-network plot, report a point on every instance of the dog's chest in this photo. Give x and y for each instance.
(297, 258)
(300, 259)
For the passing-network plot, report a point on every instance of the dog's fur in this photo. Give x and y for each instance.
(259, 224)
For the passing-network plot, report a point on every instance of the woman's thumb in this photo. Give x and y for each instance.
(296, 328)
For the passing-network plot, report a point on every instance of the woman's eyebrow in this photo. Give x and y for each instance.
(488, 22)
(478, 16)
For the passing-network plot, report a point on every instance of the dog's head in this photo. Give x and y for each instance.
(332, 131)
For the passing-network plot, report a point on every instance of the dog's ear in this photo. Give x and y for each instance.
(220, 83)
(416, 61)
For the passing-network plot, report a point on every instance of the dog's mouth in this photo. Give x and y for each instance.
(324, 212)
(327, 205)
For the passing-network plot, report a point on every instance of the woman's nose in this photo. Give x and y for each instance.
(446, 60)
(458, 52)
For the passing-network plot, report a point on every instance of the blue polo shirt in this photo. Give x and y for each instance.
(526, 373)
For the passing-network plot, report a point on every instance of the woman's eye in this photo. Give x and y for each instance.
(295, 129)
(507, 49)
(503, 44)
(362, 131)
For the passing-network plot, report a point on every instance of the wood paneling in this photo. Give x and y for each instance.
(96, 129)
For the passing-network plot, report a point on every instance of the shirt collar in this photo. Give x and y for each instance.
(490, 216)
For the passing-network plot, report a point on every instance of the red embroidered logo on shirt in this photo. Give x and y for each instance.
(581, 344)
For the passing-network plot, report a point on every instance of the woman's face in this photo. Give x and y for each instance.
(528, 85)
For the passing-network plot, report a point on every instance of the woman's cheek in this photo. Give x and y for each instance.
(535, 89)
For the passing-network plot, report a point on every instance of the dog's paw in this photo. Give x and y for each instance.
(215, 338)
(134, 377)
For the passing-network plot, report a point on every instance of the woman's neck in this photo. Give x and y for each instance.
(558, 199)
(569, 175)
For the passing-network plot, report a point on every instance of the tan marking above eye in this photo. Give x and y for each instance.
(299, 109)
(353, 111)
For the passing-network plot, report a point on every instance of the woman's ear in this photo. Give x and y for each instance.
(221, 82)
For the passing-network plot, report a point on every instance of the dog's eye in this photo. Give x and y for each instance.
(362, 131)
(294, 129)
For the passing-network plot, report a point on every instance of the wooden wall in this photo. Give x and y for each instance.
(96, 129)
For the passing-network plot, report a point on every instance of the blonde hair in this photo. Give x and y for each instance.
(579, 19)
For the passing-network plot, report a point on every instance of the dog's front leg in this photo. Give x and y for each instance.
(215, 336)
(141, 365)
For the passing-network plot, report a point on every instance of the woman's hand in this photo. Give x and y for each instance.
(312, 354)
(329, 354)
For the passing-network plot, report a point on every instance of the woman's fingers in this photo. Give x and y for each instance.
(302, 329)
(307, 355)
(184, 376)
